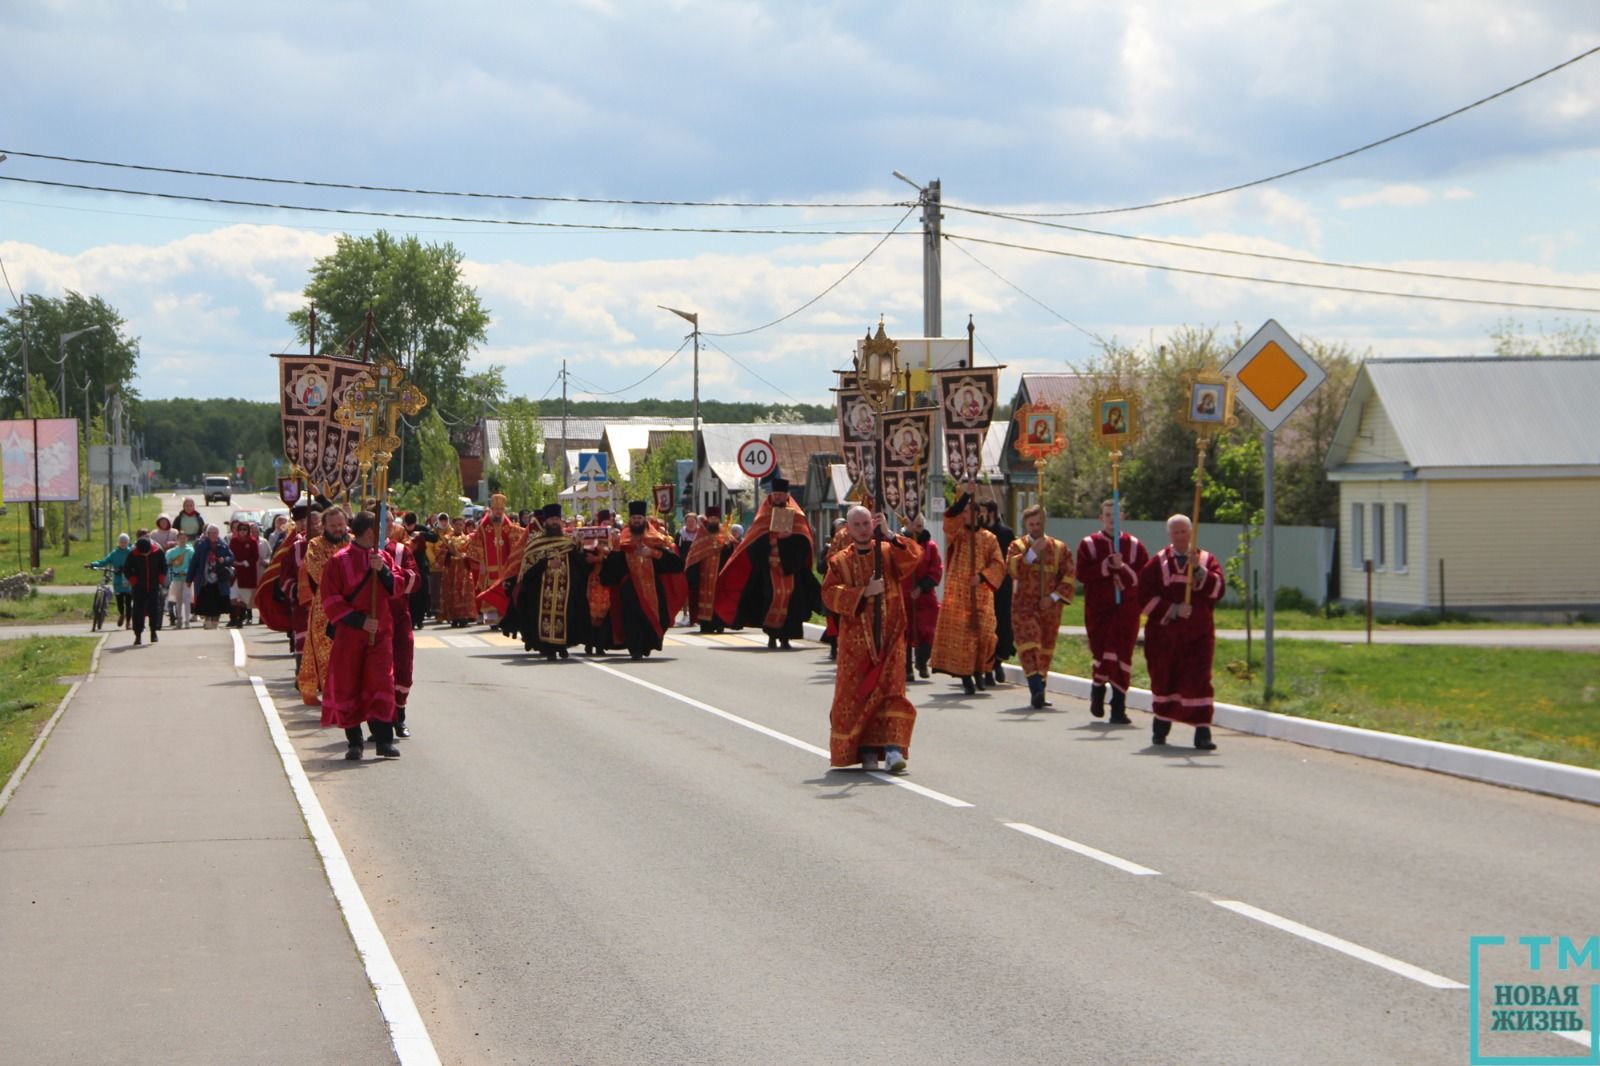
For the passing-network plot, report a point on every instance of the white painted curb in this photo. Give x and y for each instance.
(1477, 764)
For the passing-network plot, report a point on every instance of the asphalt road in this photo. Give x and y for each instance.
(582, 864)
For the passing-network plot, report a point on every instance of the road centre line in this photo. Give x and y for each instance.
(1083, 849)
(412, 1044)
(1328, 940)
(795, 742)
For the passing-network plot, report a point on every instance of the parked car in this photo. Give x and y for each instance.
(246, 516)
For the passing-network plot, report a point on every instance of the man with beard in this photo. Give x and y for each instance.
(768, 581)
(1108, 566)
(1041, 567)
(594, 554)
(870, 719)
(704, 556)
(645, 576)
(1005, 641)
(1180, 636)
(922, 598)
(360, 598)
(403, 564)
(964, 640)
(419, 537)
(549, 595)
(318, 644)
(307, 526)
(495, 546)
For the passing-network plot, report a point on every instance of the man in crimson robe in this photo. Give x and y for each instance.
(921, 592)
(965, 639)
(406, 567)
(357, 588)
(1108, 566)
(768, 581)
(549, 595)
(1041, 575)
(871, 719)
(496, 547)
(645, 575)
(1180, 635)
(704, 556)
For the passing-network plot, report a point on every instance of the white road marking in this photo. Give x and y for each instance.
(412, 1044)
(770, 732)
(238, 649)
(1328, 940)
(1083, 849)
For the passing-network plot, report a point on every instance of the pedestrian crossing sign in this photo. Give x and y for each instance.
(593, 466)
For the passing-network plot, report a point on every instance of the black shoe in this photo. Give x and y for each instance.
(154, 636)
(968, 685)
(1119, 708)
(1039, 701)
(1097, 701)
(1202, 738)
(387, 750)
(138, 639)
(353, 752)
(772, 642)
(400, 730)
(1159, 731)
(982, 681)
(784, 644)
(562, 653)
(999, 673)
(833, 654)
(922, 670)
(636, 655)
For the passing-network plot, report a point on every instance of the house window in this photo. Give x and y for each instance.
(1380, 557)
(1400, 558)
(1358, 535)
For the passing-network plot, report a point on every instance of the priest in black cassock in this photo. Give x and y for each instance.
(768, 581)
(550, 594)
(645, 575)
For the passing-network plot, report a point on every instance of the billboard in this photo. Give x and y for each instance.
(56, 441)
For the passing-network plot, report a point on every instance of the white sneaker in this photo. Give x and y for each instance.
(871, 765)
(897, 762)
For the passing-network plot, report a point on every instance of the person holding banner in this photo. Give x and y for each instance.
(768, 581)
(549, 594)
(921, 591)
(457, 605)
(964, 641)
(1178, 588)
(1108, 565)
(1005, 645)
(1041, 575)
(871, 719)
(595, 550)
(318, 645)
(645, 576)
(359, 688)
(705, 553)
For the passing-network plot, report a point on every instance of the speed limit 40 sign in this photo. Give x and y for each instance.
(756, 458)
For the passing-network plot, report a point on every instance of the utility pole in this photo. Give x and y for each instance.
(88, 491)
(932, 326)
(561, 460)
(693, 318)
(27, 412)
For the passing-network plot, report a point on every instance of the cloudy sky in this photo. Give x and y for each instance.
(1027, 107)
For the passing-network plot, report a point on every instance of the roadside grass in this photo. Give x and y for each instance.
(69, 562)
(41, 609)
(1521, 701)
(1295, 618)
(30, 688)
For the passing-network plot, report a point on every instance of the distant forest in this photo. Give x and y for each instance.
(194, 437)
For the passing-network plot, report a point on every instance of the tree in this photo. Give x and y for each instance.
(195, 437)
(425, 317)
(106, 353)
(440, 488)
(1305, 496)
(658, 466)
(520, 470)
(1565, 338)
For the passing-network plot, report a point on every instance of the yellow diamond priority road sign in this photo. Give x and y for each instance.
(1274, 375)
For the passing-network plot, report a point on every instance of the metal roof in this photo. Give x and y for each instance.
(721, 442)
(1505, 411)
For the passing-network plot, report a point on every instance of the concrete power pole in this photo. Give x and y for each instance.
(932, 326)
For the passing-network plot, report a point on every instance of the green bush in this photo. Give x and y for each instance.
(1290, 598)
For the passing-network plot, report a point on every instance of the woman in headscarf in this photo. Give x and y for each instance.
(211, 576)
(163, 536)
(119, 583)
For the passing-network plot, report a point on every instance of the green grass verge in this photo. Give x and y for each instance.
(14, 537)
(30, 688)
(1521, 701)
(40, 609)
(1291, 619)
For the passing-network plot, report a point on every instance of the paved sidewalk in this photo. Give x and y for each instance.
(160, 900)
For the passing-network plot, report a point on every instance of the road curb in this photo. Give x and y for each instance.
(1458, 760)
(44, 734)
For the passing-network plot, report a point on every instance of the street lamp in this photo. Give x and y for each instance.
(61, 365)
(693, 318)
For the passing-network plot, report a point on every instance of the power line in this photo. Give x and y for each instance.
(1086, 332)
(1299, 261)
(840, 281)
(647, 377)
(523, 197)
(1271, 281)
(749, 371)
(1323, 162)
(369, 213)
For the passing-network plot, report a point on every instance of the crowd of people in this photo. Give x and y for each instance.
(351, 595)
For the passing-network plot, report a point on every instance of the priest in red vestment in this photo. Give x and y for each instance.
(703, 559)
(1180, 635)
(358, 585)
(768, 581)
(921, 591)
(645, 575)
(1107, 570)
(408, 578)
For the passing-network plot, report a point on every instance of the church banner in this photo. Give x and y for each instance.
(966, 408)
(907, 457)
(311, 389)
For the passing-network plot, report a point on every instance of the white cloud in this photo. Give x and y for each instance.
(1388, 196)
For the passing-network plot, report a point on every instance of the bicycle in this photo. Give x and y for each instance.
(102, 597)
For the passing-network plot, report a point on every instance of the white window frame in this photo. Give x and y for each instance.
(1358, 536)
(1402, 520)
(1380, 542)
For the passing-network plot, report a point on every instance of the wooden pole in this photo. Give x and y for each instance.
(1367, 566)
(1194, 523)
(1116, 515)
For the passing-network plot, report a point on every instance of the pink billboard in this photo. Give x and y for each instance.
(57, 443)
